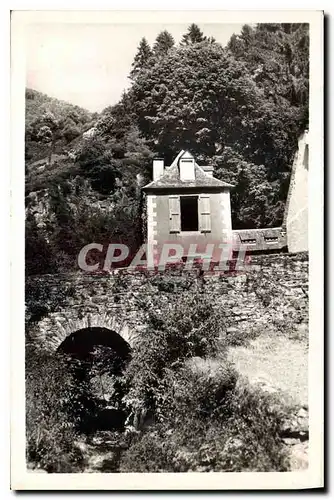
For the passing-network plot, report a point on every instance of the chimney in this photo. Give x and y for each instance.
(158, 168)
(208, 169)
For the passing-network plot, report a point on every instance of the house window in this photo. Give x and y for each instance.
(189, 213)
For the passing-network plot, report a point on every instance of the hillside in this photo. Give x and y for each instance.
(37, 103)
(64, 120)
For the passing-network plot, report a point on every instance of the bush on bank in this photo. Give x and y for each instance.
(187, 407)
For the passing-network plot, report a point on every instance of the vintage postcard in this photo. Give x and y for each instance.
(167, 208)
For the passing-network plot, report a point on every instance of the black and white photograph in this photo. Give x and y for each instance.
(170, 202)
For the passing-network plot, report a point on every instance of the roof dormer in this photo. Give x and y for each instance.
(187, 167)
(184, 173)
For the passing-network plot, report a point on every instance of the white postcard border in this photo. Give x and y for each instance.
(313, 477)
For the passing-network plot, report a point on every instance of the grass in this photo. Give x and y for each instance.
(276, 362)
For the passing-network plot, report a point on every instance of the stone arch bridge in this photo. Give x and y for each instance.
(271, 290)
(59, 305)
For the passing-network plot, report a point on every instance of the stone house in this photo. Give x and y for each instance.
(187, 205)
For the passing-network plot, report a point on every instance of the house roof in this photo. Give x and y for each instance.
(267, 232)
(171, 178)
(259, 239)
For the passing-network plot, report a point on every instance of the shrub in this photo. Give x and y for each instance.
(38, 253)
(43, 297)
(149, 452)
(53, 405)
(196, 391)
(188, 328)
(211, 423)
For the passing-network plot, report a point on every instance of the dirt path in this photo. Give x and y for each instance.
(279, 364)
(275, 361)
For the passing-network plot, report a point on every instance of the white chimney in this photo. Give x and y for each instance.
(208, 169)
(158, 168)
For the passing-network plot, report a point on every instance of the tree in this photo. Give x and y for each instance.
(96, 164)
(49, 130)
(277, 57)
(197, 98)
(71, 130)
(142, 58)
(202, 98)
(164, 42)
(194, 35)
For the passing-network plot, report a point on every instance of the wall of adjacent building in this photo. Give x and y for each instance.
(296, 212)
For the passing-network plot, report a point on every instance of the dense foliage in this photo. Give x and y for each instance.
(241, 108)
(190, 407)
(53, 406)
(178, 332)
(212, 422)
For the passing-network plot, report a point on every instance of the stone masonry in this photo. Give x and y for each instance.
(270, 293)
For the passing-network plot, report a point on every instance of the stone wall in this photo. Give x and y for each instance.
(271, 292)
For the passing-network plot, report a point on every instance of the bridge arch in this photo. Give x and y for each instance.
(58, 330)
(88, 362)
(81, 341)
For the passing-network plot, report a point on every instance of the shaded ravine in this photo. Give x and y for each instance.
(101, 451)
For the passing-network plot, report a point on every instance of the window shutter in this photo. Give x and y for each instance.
(174, 214)
(204, 213)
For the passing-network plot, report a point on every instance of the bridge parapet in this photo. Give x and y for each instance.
(272, 291)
